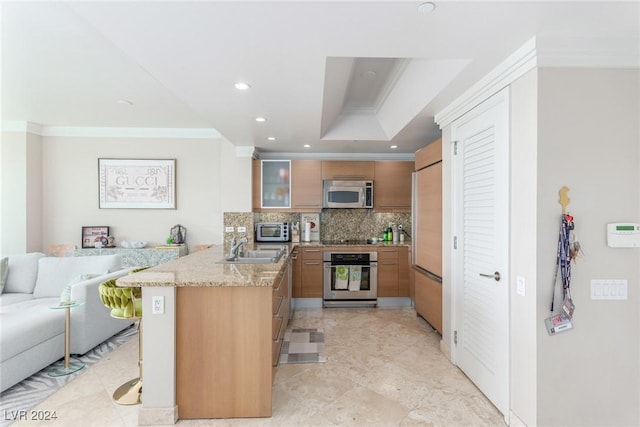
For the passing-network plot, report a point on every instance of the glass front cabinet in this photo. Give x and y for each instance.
(276, 184)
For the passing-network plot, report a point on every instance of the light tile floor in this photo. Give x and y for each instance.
(384, 368)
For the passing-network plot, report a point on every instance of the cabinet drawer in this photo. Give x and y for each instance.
(388, 254)
(281, 289)
(277, 302)
(428, 293)
(275, 352)
(311, 254)
(276, 323)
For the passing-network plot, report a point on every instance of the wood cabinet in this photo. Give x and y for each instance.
(228, 342)
(393, 271)
(224, 351)
(296, 265)
(298, 190)
(341, 169)
(392, 188)
(429, 154)
(312, 272)
(429, 299)
(306, 185)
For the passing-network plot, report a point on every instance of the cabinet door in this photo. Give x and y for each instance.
(429, 154)
(429, 299)
(339, 169)
(387, 272)
(392, 188)
(312, 272)
(256, 185)
(276, 189)
(306, 185)
(404, 261)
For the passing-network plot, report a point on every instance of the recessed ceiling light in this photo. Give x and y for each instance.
(394, 146)
(427, 7)
(271, 138)
(307, 145)
(260, 119)
(242, 86)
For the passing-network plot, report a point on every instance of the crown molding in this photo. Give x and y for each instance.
(109, 132)
(335, 156)
(515, 66)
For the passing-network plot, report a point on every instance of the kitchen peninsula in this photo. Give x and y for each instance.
(213, 350)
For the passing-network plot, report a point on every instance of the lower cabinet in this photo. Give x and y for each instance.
(312, 272)
(393, 271)
(428, 294)
(296, 266)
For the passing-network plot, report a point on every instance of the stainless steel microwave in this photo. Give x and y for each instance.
(347, 194)
(273, 231)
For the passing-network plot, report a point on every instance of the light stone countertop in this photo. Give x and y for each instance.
(202, 269)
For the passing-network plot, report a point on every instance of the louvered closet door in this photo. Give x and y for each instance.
(480, 166)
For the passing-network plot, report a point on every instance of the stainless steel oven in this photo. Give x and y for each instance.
(350, 278)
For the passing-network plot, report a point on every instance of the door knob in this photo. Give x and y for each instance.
(495, 275)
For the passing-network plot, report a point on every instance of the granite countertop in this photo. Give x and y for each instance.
(202, 269)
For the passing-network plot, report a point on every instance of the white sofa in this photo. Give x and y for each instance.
(32, 333)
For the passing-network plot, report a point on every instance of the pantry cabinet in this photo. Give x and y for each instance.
(341, 169)
(392, 187)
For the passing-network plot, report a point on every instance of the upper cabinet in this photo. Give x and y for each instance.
(392, 186)
(429, 154)
(275, 184)
(306, 185)
(340, 169)
(287, 185)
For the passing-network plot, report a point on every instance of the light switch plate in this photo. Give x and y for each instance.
(520, 285)
(609, 289)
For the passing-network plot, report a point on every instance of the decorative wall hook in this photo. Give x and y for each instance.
(564, 198)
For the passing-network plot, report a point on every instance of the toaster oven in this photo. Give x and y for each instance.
(273, 232)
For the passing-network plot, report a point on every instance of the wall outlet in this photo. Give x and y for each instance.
(157, 305)
(242, 229)
(228, 229)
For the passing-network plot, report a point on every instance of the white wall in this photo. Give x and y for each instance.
(588, 133)
(70, 176)
(523, 181)
(21, 190)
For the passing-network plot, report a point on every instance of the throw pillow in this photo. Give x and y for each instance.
(4, 272)
(23, 271)
(66, 292)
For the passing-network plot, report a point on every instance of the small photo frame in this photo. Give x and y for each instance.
(93, 235)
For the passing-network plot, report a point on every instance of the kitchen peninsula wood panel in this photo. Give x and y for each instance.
(306, 185)
(392, 189)
(224, 352)
(341, 169)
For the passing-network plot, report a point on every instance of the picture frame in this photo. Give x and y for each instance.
(94, 234)
(137, 183)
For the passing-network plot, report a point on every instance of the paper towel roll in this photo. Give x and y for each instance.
(307, 232)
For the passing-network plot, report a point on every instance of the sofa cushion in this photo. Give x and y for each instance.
(27, 324)
(4, 271)
(23, 271)
(55, 273)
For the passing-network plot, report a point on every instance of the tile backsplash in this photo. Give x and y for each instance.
(334, 223)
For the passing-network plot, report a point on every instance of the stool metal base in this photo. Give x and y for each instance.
(129, 393)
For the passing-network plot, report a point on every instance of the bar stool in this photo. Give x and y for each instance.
(125, 303)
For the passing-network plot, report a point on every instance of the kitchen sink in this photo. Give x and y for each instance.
(256, 256)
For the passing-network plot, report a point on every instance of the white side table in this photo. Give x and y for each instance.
(67, 366)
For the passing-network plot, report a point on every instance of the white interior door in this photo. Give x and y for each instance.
(481, 293)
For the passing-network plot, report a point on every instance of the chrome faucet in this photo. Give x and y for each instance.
(236, 248)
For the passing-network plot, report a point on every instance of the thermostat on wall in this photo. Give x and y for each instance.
(623, 235)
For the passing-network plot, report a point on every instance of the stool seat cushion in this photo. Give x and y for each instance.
(124, 302)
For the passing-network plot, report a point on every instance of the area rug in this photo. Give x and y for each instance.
(303, 346)
(34, 390)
